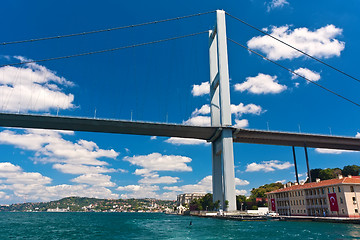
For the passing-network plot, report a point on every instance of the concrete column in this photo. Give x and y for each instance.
(228, 169)
(224, 85)
(227, 154)
(222, 148)
(217, 177)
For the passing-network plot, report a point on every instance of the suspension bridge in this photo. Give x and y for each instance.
(221, 133)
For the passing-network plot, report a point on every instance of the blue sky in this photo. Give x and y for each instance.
(169, 82)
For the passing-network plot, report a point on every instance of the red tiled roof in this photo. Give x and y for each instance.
(345, 180)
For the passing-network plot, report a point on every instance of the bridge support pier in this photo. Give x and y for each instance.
(222, 144)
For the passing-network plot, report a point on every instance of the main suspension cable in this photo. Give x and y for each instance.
(103, 51)
(104, 30)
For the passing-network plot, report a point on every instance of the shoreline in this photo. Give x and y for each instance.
(246, 217)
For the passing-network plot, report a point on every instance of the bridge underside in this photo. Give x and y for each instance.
(176, 130)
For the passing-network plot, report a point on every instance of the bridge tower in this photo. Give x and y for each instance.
(223, 176)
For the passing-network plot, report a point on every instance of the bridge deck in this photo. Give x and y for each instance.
(176, 130)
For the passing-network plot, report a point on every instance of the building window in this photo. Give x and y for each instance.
(333, 189)
(303, 202)
(322, 191)
(328, 190)
(351, 189)
(354, 200)
(341, 200)
(339, 189)
(356, 210)
(343, 210)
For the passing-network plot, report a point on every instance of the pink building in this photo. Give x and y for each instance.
(335, 198)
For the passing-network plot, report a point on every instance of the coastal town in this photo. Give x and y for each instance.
(83, 204)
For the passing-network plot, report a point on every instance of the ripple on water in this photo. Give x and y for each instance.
(160, 226)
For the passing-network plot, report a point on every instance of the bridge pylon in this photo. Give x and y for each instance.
(223, 176)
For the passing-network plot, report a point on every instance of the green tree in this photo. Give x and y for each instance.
(226, 204)
(207, 202)
(195, 205)
(337, 172)
(327, 173)
(240, 202)
(315, 173)
(352, 170)
(260, 191)
(216, 205)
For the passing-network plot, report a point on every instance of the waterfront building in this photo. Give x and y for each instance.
(334, 198)
(186, 198)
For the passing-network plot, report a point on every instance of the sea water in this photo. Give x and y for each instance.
(160, 226)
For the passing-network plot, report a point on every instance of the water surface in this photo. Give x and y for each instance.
(160, 226)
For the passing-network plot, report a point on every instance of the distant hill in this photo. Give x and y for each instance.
(83, 204)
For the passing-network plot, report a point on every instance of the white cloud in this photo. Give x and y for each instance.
(276, 4)
(261, 84)
(268, 166)
(155, 179)
(158, 162)
(319, 43)
(186, 141)
(51, 147)
(241, 109)
(240, 192)
(95, 179)
(358, 135)
(168, 195)
(13, 174)
(203, 186)
(204, 110)
(198, 121)
(311, 75)
(240, 182)
(82, 169)
(32, 88)
(3, 195)
(241, 123)
(202, 89)
(6, 167)
(67, 157)
(34, 186)
(64, 190)
(153, 138)
(139, 191)
(332, 151)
